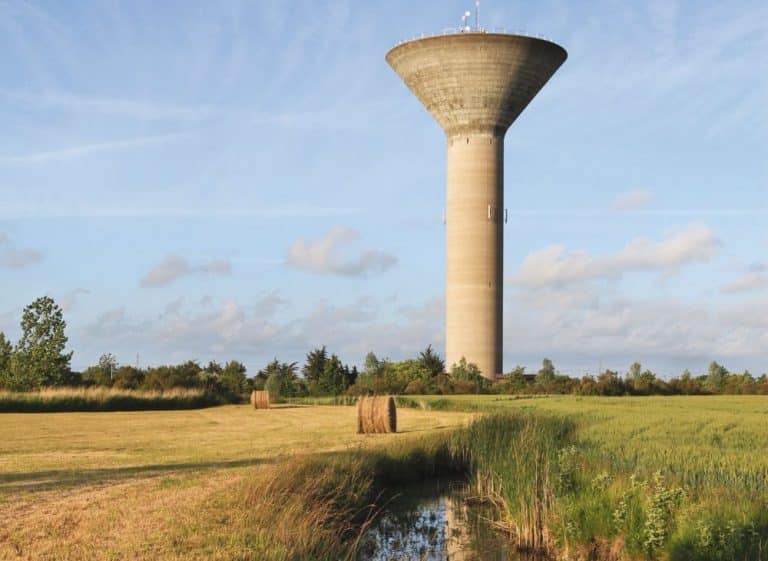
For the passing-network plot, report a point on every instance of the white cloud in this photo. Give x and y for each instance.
(323, 255)
(14, 258)
(582, 327)
(555, 266)
(632, 200)
(263, 330)
(749, 282)
(579, 326)
(748, 315)
(173, 267)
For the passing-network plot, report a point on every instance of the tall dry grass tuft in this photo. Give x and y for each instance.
(52, 400)
(309, 509)
(260, 399)
(376, 414)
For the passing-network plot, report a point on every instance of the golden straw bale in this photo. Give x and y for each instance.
(376, 414)
(259, 399)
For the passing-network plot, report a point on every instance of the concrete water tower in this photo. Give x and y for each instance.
(475, 83)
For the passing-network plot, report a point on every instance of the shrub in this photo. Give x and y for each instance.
(416, 387)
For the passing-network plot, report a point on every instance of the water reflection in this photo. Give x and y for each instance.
(434, 522)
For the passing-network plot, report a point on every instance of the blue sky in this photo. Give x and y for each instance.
(247, 180)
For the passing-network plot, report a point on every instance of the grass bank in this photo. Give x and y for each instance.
(623, 478)
(316, 507)
(105, 399)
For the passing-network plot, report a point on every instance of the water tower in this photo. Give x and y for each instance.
(475, 83)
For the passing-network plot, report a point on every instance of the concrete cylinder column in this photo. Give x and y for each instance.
(474, 257)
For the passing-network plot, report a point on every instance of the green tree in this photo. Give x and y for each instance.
(373, 366)
(716, 376)
(646, 383)
(546, 374)
(401, 374)
(40, 359)
(609, 383)
(6, 350)
(214, 367)
(260, 380)
(467, 377)
(314, 367)
(161, 378)
(376, 376)
(128, 378)
(430, 360)
(335, 377)
(464, 370)
(233, 377)
(515, 381)
(103, 373)
(6, 353)
(280, 379)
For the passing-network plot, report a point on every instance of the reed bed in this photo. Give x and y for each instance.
(104, 399)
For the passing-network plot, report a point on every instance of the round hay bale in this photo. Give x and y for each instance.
(376, 414)
(260, 399)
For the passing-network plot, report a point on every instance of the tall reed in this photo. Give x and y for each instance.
(511, 460)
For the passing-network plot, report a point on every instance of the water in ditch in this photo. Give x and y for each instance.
(434, 522)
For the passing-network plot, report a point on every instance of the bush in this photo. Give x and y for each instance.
(416, 387)
(466, 387)
(467, 378)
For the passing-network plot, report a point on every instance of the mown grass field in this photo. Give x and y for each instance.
(137, 485)
(169, 484)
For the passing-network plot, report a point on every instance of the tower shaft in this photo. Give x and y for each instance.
(474, 250)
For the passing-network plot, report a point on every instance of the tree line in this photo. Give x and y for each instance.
(39, 359)
(636, 381)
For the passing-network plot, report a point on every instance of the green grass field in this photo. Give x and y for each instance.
(168, 484)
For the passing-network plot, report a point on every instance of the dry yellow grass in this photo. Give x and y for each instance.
(100, 392)
(155, 485)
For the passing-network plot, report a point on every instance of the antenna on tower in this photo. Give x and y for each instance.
(465, 22)
(477, 14)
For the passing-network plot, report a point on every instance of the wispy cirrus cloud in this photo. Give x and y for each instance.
(143, 109)
(84, 150)
(173, 267)
(324, 255)
(42, 210)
